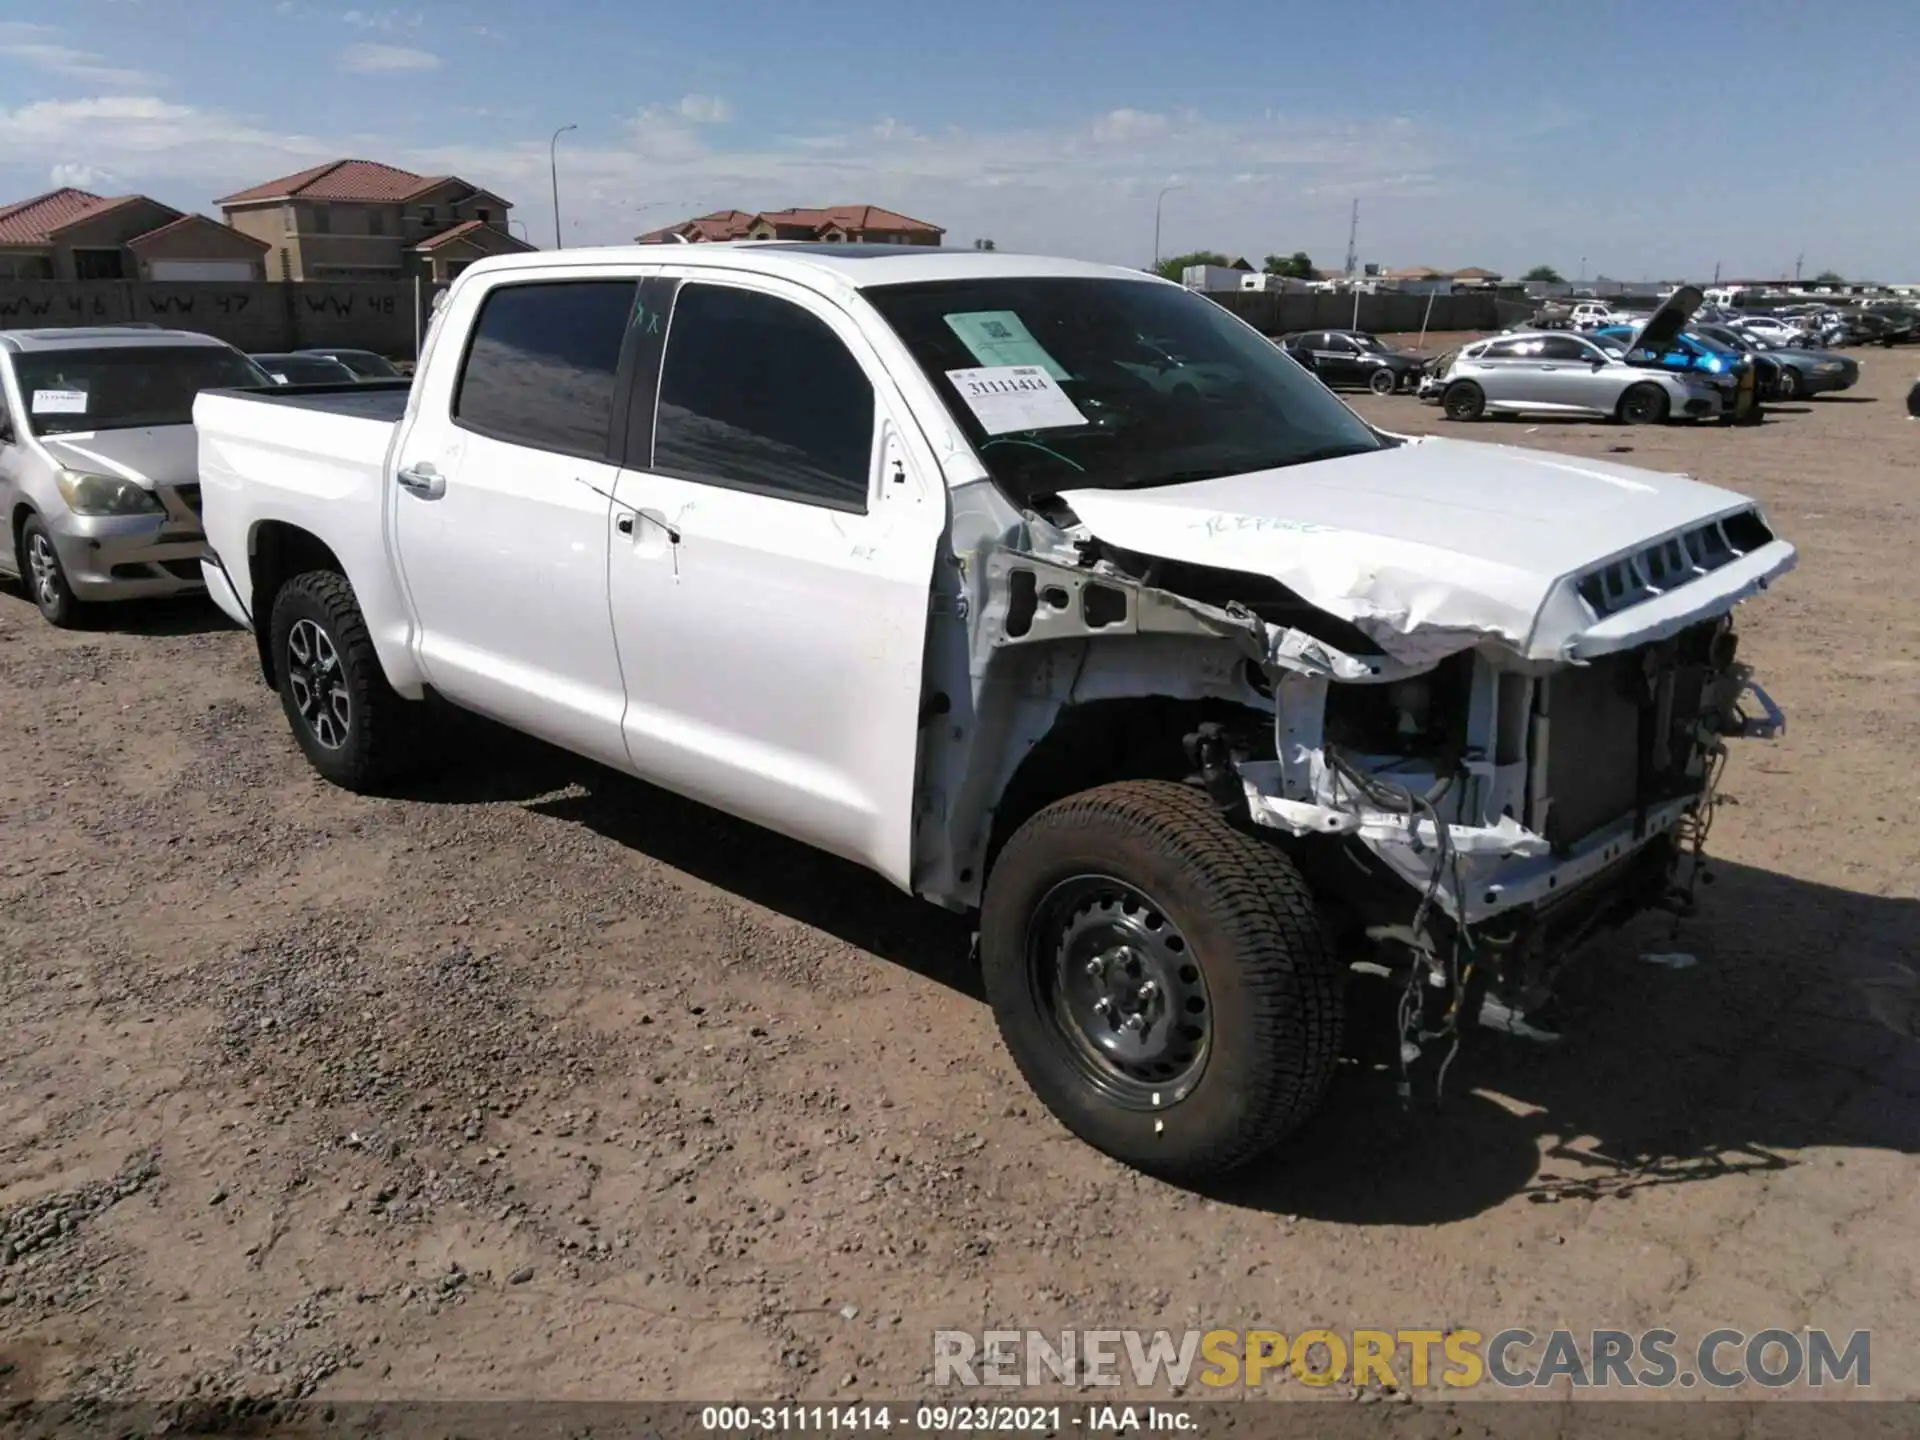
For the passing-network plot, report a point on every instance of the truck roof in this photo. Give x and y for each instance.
(858, 266)
(100, 337)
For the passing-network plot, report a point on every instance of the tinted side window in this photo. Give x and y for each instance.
(540, 369)
(1565, 347)
(759, 395)
(1507, 350)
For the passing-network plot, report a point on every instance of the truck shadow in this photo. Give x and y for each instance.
(176, 615)
(1796, 1030)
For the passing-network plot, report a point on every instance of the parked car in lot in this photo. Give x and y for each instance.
(295, 368)
(364, 363)
(1192, 701)
(1556, 372)
(1734, 374)
(1353, 358)
(98, 470)
(1790, 372)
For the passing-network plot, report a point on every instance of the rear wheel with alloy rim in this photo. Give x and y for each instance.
(1464, 401)
(349, 722)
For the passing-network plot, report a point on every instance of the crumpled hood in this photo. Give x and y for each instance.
(154, 455)
(1433, 545)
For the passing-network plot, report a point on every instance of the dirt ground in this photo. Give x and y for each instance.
(538, 1082)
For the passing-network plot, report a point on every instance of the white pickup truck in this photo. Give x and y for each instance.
(1198, 694)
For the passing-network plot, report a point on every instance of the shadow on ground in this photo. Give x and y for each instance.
(176, 615)
(1796, 1030)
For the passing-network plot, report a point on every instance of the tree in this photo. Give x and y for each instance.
(984, 244)
(1299, 265)
(1174, 265)
(1545, 272)
(1829, 277)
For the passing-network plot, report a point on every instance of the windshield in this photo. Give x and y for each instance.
(305, 370)
(66, 391)
(366, 364)
(1065, 383)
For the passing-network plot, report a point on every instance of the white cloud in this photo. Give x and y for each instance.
(387, 59)
(40, 47)
(1121, 125)
(1052, 189)
(384, 19)
(705, 109)
(80, 177)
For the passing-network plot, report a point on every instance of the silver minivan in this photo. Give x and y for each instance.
(99, 474)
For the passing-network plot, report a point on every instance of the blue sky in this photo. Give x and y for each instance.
(1645, 139)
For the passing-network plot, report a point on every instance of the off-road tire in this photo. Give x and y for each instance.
(380, 733)
(1383, 381)
(1644, 404)
(1252, 928)
(45, 578)
(1464, 401)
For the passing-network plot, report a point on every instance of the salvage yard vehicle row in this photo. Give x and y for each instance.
(1196, 692)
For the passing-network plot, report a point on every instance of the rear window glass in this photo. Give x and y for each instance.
(541, 368)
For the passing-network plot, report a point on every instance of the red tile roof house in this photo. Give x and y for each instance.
(859, 224)
(360, 220)
(70, 234)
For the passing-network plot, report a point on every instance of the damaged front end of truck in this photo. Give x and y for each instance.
(1480, 754)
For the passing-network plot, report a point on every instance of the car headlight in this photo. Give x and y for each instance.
(87, 494)
(1714, 365)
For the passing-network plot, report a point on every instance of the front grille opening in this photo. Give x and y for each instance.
(1667, 564)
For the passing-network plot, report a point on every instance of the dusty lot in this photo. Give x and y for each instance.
(539, 1082)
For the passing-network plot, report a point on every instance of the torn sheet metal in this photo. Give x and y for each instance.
(1432, 548)
(1266, 783)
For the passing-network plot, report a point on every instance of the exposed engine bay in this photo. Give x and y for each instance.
(1467, 808)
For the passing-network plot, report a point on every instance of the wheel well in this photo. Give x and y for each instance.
(1103, 741)
(17, 522)
(279, 552)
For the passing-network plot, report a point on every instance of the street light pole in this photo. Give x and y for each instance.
(553, 169)
(1157, 200)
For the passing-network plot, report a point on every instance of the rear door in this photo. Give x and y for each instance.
(502, 507)
(770, 590)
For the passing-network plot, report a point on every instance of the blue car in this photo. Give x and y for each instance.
(1725, 367)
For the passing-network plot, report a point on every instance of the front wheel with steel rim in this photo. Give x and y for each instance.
(45, 577)
(1383, 381)
(349, 722)
(1161, 978)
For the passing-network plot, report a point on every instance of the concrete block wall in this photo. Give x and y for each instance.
(255, 316)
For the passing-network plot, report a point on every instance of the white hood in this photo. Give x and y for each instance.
(154, 455)
(1434, 545)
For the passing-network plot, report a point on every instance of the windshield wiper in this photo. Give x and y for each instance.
(1215, 472)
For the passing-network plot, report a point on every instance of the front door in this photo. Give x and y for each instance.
(502, 505)
(774, 538)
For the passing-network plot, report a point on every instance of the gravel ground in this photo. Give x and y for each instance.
(538, 1082)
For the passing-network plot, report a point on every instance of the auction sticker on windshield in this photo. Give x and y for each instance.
(59, 402)
(1007, 398)
(1000, 337)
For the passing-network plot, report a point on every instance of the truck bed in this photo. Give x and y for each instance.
(367, 400)
(309, 458)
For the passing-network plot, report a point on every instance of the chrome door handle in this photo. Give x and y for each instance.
(422, 480)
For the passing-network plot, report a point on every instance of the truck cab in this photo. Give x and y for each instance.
(1192, 695)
